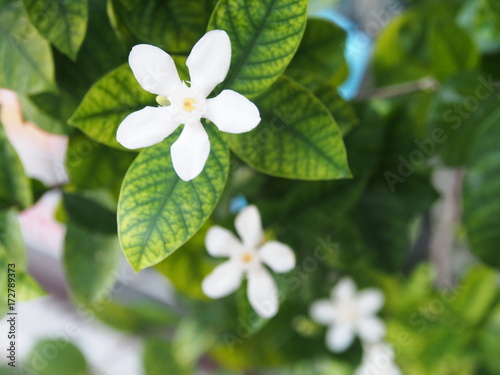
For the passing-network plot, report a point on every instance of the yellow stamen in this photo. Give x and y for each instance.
(189, 105)
(247, 258)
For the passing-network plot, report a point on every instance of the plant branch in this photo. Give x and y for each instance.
(426, 83)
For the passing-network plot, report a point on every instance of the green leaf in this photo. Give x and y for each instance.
(187, 267)
(384, 219)
(63, 23)
(482, 19)
(36, 109)
(157, 211)
(26, 64)
(159, 358)
(462, 104)
(488, 342)
(481, 189)
(12, 239)
(265, 35)
(111, 99)
(12, 252)
(15, 187)
(394, 48)
(107, 103)
(58, 357)
(191, 341)
(424, 41)
(297, 137)
(175, 25)
(91, 260)
(91, 165)
(451, 48)
(89, 213)
(341, 110)
(38, 188)
(320, 55)
(99, 53)
(476, 294)
(129, 3)
(134, 317)
(27, 288)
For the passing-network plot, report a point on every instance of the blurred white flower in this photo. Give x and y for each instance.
(180, 103)
(42, 154)
(378, 359)
(349, 313)
(247, 257)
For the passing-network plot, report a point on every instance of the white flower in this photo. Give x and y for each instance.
(378, 359)
(348, 313)
(247, 258)
(180, 103)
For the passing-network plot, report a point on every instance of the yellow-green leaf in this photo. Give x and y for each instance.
(107, 103)
(26, 63)
(297, 137)
(174, 25)
(63, 23)
(157, 211)
(15, 188)
(265, 35)
(91, 259)
(320, 56)
(482, 192)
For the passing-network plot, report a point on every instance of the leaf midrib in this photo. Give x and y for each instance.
(250, 46)
(153, 221)
(31, 62)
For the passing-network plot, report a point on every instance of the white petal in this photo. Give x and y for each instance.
(278, 256)
(190, 151)
(249, 226)
(145, 128)
(209, 60)
(154, 69)
(371, 329)
(322, 311)
(378, 359)
(262, 292)
(370, 301)
(339, 338)
(344, 290)
(221, 242)
(232, 112)
(223, 280)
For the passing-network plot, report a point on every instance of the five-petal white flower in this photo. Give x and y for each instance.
(247, 258)
(179, 103)
(378, 359)
(348, 313)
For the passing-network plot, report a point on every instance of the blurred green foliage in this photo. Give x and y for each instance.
(430, 101)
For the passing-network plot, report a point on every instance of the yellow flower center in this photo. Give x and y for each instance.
(189, 104)
(247, 257)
